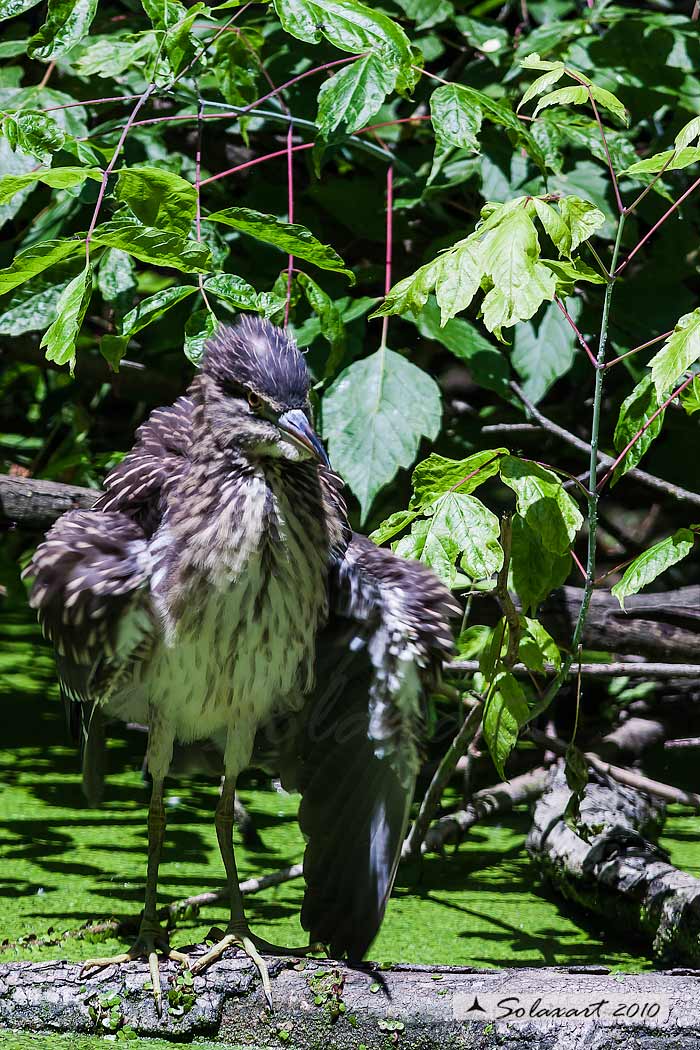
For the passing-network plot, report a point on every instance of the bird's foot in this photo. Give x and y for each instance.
(239, 936)
(151, 941)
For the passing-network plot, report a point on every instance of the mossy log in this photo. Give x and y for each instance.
(328, 1005)
(611, 867)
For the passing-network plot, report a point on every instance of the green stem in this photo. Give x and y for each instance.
(592, 495)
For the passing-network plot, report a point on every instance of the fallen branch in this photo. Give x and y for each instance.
(609, 866)
(323, 1005)
(630, 669)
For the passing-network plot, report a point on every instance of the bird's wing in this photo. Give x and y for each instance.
(159, 459)
(91, 596)
(356, 755)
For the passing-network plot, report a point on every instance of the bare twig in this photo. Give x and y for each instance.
(629, 777)
(668, 489)
(614, 669)
(655, 227)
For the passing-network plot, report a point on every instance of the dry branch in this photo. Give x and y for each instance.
(412, 1007)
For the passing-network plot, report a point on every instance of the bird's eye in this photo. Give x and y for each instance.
(254, 401)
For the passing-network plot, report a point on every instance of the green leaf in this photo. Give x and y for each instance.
(545, 353)
(669, 160)
(160, 247)
(689, 133)
(459, 531)
(611, 103)
(289, 237)
(148, 310)
(635, 411)
(543, 83)
(199, 328)
(60, 338)
(394, 524)
(32, 308)
(10, 8)
(506, 711)
(456, 117)
(458, 279)
(350, 26)
(566, 96)
(437, 475)
(501, 114)
(374, 416)
(569, 274)
(59, 178)
(690, 398)
(36, 259)
(472, 642)
(510, 254)
(354, 95)
(115, 277)
(554, 226)
(537, 647)
(110, 56)
(487, 364)
(582, 218)
(536, 571)
(645, 569)
(68, 21)
(543, 502)
(233, 290)
(679, 352)
(158, 198)
(33, 132)
(332, 327)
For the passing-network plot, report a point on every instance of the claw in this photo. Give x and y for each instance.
(148, 945)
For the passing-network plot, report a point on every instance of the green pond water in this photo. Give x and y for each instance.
(63, 864)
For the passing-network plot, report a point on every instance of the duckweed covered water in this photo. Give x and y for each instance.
(64, 864)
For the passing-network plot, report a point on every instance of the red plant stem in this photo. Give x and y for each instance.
(257, 160)
(389, 244)
(613, 176)
(651, 342)
(290, 218)
(92, 102)
(47, 75)
(655, 227)
(642, 430)
(580, 338)
(576, 558)
(108, 170)
(198, 211)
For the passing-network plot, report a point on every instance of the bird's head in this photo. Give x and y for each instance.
(256, 392)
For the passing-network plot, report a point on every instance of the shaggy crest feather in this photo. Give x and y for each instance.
(261, 358)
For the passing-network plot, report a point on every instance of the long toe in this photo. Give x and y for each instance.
(151, 945)
(245, 942)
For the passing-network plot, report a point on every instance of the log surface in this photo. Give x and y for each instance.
(417, 1008)
(612, 869)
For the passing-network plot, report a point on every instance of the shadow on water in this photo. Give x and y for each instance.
(64, 865)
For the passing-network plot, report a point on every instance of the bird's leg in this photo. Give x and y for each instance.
(152, 939)
(237, 933)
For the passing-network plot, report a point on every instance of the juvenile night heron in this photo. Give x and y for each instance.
(216, 592)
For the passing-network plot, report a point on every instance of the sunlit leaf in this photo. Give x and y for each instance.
(148, 310)
(506, 711)
(160, 247)
(233, 290)
(116, 279)
(543, 502)
(158, 198)
(635, 412)
(645, 569)
(679, 352)
(394, 524)
(60, 338)
(199, 328)
(456, 117)
(58, 178)
(669, 160)
(354, 94)
(33, 132)
(437, 475)
(288, 237)
(67, 23)
(36, 259)
(460, 533)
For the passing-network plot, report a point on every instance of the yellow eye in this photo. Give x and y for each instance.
(254, 401)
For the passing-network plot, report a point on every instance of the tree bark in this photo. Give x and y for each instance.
(610, 867)
(331, 1006)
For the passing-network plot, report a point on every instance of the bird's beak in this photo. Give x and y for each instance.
(300, 430)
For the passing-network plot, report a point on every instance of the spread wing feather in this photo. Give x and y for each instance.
(356, 757)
